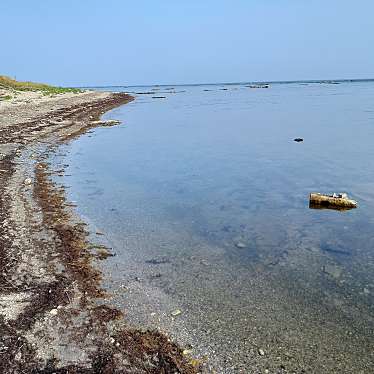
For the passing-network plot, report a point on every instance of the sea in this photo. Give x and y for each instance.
(201, 195)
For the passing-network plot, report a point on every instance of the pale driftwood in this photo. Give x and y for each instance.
(335, 200)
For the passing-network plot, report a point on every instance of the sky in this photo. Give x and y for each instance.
(141, 42)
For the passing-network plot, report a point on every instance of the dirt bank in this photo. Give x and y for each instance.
(53, 316)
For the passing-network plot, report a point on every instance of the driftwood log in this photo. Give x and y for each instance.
(333, 201)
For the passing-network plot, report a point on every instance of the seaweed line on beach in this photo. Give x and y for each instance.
(54, 317)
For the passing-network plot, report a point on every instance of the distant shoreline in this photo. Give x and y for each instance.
(326, 81)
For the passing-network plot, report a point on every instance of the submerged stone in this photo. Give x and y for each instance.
(176, 312)
(334, 271)
(240, 245)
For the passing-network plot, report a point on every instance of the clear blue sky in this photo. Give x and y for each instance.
(96, 42)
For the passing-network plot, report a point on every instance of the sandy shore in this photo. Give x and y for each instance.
(53, 312)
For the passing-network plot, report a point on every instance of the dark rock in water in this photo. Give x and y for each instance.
(226, 228)
(258, 86)
(337, 251)
(158, 97)
(145, 93)
(298, 140)
(158, 261)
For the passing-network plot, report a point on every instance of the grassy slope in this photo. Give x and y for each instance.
(8, 83)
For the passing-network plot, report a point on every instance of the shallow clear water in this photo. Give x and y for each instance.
(203, 196)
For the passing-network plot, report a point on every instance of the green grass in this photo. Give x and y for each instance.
(6, 97)
(9, 83)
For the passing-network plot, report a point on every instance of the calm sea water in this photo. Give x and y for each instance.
(203, 197)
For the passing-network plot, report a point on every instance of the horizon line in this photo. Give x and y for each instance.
(340, 80)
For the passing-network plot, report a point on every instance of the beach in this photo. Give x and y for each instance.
(53, 311)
